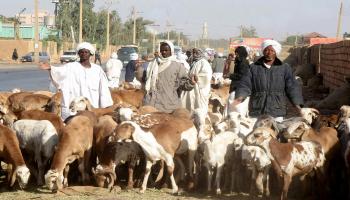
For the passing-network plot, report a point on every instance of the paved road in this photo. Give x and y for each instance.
(23, 76)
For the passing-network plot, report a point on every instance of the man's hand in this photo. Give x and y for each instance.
(194, 79)
(236, 102)
(44, 65)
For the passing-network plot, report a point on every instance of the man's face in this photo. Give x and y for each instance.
(269, 53)
(84, 54)
(195, 53)
(165, 50)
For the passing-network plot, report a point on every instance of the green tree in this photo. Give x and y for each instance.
(248, 32)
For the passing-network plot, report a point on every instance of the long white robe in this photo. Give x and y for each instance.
(75, 80)
(198, 97)
(113, 69)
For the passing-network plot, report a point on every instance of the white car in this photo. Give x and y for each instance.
(69, 56)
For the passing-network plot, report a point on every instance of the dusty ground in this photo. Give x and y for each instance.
(88, 192)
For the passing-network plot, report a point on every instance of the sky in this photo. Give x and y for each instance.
(272, 18)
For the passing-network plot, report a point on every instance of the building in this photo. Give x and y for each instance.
(7, 31)
(44, 18)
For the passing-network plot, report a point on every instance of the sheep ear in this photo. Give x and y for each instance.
(110, 139)
(93, 170)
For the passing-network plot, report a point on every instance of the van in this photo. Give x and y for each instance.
(124, 53)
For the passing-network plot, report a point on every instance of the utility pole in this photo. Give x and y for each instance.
(107, 37)
(36, 33)
(340, 20)
(134, 19)
(168, 25)
(81, 22)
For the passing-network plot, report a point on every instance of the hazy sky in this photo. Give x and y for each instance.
(271, 18)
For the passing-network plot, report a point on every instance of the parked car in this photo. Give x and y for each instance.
(69, 56)
(124, 53)
(29, 57)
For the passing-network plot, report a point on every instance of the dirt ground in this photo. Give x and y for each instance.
(89, 192)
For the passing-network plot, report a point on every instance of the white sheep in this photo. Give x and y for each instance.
(38, 138)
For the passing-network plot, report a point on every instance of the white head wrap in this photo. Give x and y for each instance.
(171, 45)
(134, 56)
(157, 66)
(275, 45)
(220, 55)
(181, 56)
(114, 55)
(86, 45)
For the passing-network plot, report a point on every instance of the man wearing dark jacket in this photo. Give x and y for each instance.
(269, 82)
(240, 69)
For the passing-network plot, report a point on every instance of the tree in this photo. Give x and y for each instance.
(248, 32)
(293, 39)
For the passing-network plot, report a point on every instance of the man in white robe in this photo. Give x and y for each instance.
(113, 69)
(81, 79)
(201, 73)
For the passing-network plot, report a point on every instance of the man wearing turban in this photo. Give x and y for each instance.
(269, 82)
(81, 78)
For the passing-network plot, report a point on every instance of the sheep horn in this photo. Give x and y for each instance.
(315, 110)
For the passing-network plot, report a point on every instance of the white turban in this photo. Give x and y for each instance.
(86, 45)
(275, 45)
(181, 56)
(114, 55)
(134, 56)
(171, 45)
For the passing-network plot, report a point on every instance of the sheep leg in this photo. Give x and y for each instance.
(145, 179)
(40, 175)
(266, 182)
(286, 182)
(81, 168)
(259, 183)
(65, 175)
(218, 178)
(190, 160)
(87, 167)
(130, 177)
(209, 177)
(172, 179)
(253, 181)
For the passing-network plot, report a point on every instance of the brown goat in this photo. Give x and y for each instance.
(75, 143)
(132, 97)
(11, 154)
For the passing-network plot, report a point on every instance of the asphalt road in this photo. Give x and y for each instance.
(23, 76)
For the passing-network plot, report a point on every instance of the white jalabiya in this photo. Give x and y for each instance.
(198, 97)
(75, 80)
(113, 69)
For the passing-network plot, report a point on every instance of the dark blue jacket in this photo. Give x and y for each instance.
(269, 88)
(130, 71)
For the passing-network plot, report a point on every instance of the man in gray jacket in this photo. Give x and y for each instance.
(269, 82)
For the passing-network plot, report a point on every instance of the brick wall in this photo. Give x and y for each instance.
(331, 60)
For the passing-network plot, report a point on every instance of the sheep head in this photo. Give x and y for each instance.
(104, 177)
(296, 130)
(80, 103)
(54, 180)
(259, 136)
(124, 130)
(309, 114)
(22, 175)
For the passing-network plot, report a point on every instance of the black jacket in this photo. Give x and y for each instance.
(268, 88)
(241, 68)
